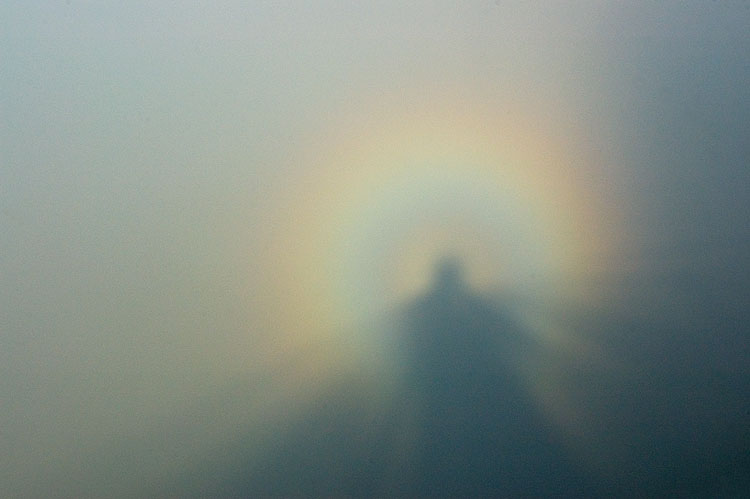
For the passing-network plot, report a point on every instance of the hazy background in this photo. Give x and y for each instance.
(154, 157)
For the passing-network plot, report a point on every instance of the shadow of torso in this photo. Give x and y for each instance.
(478, 432)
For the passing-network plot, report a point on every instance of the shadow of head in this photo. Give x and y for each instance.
(449, 277)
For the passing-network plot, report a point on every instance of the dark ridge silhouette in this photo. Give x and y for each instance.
(461, 423)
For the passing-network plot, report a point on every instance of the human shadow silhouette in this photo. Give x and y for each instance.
(479, 432)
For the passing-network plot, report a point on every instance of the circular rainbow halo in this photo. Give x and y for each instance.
(364, 215)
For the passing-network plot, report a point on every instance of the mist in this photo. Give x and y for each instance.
(223, 228)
